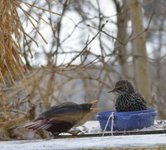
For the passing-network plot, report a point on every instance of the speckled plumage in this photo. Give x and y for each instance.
(127, 98)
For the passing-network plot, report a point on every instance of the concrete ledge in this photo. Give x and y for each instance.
(133, 142)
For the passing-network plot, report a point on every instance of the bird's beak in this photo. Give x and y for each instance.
(93, 102)
(114, 90)
(94, 109)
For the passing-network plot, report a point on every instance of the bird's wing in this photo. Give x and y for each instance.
(38, 124)
(70, 112)
(138, 102)
(46, 123)
(71, 117)
(138, 98)
(65, 113)
(61, 109)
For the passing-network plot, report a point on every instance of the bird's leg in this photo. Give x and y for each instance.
(42, 134)
(55, 134)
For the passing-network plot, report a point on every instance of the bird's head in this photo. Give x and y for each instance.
(87, 107)
(123, 87)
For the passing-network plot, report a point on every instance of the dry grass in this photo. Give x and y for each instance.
(11, 30)
(11, 65)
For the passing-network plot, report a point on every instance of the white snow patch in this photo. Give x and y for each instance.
(86, 143)
(91, 142)
(90, 127)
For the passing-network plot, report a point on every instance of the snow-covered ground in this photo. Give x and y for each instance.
(87, 143)
(101, 142)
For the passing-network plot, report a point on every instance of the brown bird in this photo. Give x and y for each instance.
(61, 118)
(128, 99)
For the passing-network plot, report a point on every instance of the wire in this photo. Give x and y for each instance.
(112, 124)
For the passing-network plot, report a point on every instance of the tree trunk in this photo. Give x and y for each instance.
(140, 59)
(122, 19)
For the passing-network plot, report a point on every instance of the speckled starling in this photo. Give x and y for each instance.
(128, 99)
(61, 118)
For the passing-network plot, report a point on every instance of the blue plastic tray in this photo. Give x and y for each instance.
(127, 120)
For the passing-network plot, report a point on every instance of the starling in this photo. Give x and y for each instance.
(128, 99)
(61, 118)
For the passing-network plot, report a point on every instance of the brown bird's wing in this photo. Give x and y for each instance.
(66, 114)
(38, 124)
(46, 123)
(61, 109)
(69, 113)
(71, 117)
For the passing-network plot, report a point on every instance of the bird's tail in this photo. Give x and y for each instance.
(36, 125)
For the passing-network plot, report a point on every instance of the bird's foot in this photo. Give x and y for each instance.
(75, 132)
(55, 134)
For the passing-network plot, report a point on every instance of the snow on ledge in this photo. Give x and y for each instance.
(87, 143)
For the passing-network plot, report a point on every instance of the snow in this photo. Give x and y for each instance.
(87, 143)
(90, 127)
(125, 141)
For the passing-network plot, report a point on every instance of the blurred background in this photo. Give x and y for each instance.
(56, 51)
